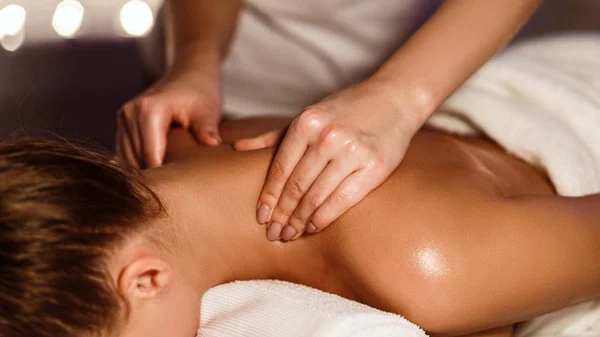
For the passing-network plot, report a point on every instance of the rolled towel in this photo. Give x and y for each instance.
(281, 309)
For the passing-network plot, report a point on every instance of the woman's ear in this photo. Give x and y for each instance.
(144, 278)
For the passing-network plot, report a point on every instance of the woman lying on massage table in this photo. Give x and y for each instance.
(461, 239)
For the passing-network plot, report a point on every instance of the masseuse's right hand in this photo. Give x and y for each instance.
(188, 97)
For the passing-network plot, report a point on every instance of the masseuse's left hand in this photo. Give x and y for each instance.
(333, 154)
(343, 147)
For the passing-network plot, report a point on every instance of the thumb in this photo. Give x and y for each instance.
(265, 140)
(154, 131)
(206, 130)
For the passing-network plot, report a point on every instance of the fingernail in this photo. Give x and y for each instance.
(263, 213)
(274, 231)
(311, 228)
(215, 136)
(288, 233)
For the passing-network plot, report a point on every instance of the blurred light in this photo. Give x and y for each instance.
(12, 20)
(137, 18)
(13, 42)
(67, 18)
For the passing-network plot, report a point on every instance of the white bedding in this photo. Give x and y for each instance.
(280, 309)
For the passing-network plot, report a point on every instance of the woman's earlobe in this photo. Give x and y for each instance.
(144, 278)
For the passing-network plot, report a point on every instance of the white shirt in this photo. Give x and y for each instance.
(287, 55)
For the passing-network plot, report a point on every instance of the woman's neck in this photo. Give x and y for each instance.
(211, 209)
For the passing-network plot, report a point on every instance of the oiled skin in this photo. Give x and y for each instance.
(445, 241)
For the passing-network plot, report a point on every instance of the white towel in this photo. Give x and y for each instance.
(281, 309)
(539, 100)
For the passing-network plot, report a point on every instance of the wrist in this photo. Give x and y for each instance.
(414, 103)
(196, 57)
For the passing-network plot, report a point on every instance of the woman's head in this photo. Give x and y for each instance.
(63, 212)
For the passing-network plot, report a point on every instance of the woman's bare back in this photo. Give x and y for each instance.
(440, 240)
(393, 246)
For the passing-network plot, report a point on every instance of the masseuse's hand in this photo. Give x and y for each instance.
(187, 97)
(333, 154)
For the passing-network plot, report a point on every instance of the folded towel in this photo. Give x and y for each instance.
(540, 101)
(281, 309)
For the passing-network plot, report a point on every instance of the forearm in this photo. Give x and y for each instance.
(450, 47)
(199, 31)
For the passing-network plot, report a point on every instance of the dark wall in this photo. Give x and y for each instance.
(73, 88)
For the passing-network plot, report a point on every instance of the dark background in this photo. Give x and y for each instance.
(73, 88)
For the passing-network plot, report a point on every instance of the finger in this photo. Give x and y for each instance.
(130, 112)
(301, 179)
(206, 129)
(265, 140)
(330, 179)
(287, 157)
(350, 192)
(128, 154)
(153, 133)
(140, 139)
(125, 145)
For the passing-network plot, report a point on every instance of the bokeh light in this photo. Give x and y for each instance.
(13, 42)
(68, 18)
(12, 20)
(136, 18)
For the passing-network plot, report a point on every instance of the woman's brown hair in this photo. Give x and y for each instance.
(62, 211)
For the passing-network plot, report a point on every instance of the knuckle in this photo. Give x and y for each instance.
(282, 214)
(333, 135)
(352, 147)
(144, 104)
(268, 197)
(314, 201)
(344, 198)
(308, 121)
(278, 170)
(295, 188)
(371, 160)
(377, 159)
(311, 114)
(296, 127)
(147, 106)
(296, 222)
